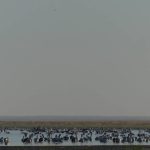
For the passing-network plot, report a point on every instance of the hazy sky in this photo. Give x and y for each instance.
(75, 57)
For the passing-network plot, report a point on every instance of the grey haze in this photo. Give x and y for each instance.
(75, 57)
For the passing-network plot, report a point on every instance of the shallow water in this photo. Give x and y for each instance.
(15, 137)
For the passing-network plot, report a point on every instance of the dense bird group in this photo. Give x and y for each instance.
(58, 136)
(79, 136)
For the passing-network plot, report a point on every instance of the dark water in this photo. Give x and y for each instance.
(70, 118)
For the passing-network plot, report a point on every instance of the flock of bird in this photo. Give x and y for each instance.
(80, 136)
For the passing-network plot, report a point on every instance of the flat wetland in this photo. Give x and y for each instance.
(15, 134)
(76, 124)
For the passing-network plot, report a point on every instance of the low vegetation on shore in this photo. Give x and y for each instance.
(76, 124)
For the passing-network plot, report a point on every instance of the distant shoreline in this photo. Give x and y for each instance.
(74, 118)
(74, 121)
(76, 124)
